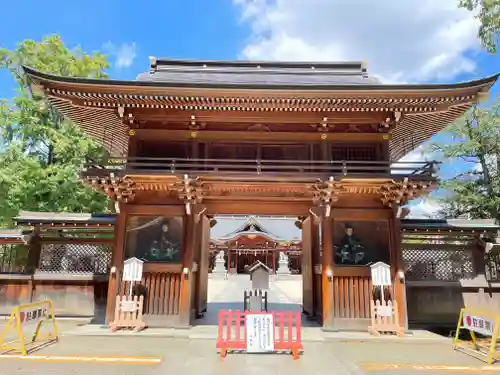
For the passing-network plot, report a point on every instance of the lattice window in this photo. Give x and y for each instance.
(92, 258)
(438, 257)
(440, 265)
(492, 263)
(13, 258)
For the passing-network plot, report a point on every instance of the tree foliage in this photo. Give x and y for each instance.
(44, 153)
(488, 13)
(474, 192)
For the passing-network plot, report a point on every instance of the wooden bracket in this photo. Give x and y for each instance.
(120, 189)
(326, 193)
(317, 214)
(189, 190)
(198, 210)
(395, 194)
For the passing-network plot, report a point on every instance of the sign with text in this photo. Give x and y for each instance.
(381, 274)
(480, 324)
(485, 323)
(41, 313)
(132, 269)
(260, 333)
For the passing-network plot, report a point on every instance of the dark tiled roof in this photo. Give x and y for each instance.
(32, 218)
(16, 234)
(452, 224)
(259, 73)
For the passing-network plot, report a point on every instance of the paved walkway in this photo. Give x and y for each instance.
(171, 355)
(85, 348)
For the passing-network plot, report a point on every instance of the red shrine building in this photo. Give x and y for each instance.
(256, 239)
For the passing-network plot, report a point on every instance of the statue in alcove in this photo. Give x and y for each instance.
(170, 250)
(350, 250)
(165, 249)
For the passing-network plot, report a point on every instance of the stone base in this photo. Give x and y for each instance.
(219, 268)
(283, 268)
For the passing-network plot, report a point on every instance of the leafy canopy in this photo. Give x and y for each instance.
(476, 139)
(488, 13)
(44, 153)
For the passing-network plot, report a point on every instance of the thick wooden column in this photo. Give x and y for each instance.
(203, 263)
(326, 265)
(196, 274)
(117, 259)
(396, 266)
(316, 260)
(307, 268)
(187, 279)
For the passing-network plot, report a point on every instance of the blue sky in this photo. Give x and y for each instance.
(417, 41)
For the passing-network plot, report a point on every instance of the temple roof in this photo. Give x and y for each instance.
(278, 228)
(450, 224)
(256, 73)
(104, 108)
(64, 218)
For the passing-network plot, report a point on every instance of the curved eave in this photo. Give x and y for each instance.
(107, 84)
(92, 103)
(247, 234)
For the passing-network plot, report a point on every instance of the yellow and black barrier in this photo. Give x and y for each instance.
(482, 322)
(18, 321)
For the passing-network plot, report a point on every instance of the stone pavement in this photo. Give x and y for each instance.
(199, 356)
(193, 350)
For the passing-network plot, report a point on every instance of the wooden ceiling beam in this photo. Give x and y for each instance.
(208, 135)
(141, 114)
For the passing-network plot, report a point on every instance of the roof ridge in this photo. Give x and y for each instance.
(353, 64)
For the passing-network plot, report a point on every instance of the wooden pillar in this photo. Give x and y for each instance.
(396, 266)
(316, 260)
(274, 261)
(117, 259)
(307, 268)
(203, 264)
(326, 265)
(187, 278)
(198, 284)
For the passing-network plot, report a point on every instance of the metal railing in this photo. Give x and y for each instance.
(300, 168)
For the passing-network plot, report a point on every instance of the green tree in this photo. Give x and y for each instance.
(44, 153)
(476, 140)
(488, 13)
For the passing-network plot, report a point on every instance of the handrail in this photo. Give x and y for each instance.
(244, 166)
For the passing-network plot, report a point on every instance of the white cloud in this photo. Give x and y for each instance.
(123, 54)
(403, 41)
(425, 209)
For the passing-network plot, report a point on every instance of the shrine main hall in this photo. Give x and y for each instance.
(320, 142)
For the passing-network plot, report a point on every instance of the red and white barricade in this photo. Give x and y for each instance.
(259, 332)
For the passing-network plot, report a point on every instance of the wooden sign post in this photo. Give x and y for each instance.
(384, 314)
(128, 310)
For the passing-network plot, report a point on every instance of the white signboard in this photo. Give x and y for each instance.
(479, 324)
(381, 274)
(384, 311)
(128, 306)
(260, 333)
(132, 269)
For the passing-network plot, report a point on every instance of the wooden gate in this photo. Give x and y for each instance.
(160, 286)
(351, 299)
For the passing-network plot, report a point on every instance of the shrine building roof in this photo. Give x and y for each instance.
(70, 219)
(276, 228)
(256, 73)
(452, 225)
(105, 108)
